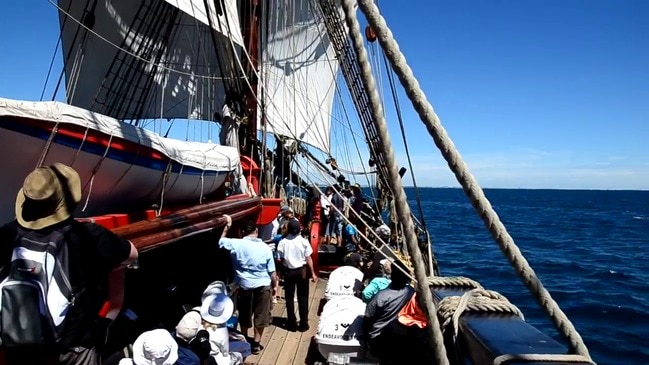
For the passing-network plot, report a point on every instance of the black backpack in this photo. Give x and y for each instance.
(35, 292)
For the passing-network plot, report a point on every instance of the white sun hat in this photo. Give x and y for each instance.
(217, 309)
(155, 347)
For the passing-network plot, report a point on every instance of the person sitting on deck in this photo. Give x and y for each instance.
(238, 342)
(378, 283)
(215, 311)
(86, 254)
(381, 315)
(254, 268)
(295, 253)
(155, 347)
(193, 342)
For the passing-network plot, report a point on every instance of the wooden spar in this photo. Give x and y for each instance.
(181, 217)
(158, 239)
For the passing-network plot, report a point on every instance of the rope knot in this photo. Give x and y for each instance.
(451, 308)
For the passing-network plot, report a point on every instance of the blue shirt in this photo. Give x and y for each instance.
(252, 260)
(348, 233)
(375, 286)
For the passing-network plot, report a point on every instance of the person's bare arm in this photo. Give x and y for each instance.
(228, 224)
(274, 283)
(309, 263)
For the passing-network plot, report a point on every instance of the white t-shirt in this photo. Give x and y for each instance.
(325, 203)
(294, 249)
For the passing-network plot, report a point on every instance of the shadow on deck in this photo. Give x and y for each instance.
(291, 348)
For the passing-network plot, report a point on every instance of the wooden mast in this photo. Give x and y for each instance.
(251, 12)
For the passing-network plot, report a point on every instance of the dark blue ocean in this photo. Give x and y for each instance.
(590, 249)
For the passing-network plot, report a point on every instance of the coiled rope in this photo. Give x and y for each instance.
(466, 179)
(425, 295)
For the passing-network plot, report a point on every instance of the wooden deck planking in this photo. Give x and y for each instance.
(289, 348)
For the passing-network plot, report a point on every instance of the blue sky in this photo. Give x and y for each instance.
(535, 94)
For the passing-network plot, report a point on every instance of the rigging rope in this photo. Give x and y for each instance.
(401, 202)
(466, 179)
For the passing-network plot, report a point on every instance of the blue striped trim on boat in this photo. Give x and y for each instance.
(95, 149)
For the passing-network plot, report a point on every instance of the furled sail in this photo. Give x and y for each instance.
(157, 59)
(298, 73)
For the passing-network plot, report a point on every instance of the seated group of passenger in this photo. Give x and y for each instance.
(394, 324)
(204, 335)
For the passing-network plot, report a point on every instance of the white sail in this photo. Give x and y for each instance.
(224, 20)
(148, 58)
(298, 73)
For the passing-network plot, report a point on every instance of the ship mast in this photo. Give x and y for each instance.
(250, 14)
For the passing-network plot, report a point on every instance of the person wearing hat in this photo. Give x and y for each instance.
(254, 268)
(155, 347)
(286, 214)
(295, 253)
(215, 311)
(44, 207)
(193, 342)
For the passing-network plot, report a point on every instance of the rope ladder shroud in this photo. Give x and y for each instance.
(425, 295)
(469, 183)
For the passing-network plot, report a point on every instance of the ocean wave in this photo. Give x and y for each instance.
(589, 248)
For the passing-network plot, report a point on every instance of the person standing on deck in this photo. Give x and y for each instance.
(286, 214)
(325, 206)
(230, 122)
(85, 255)
(295, 252)
(254, 268)
(356, 201)
(336, 220)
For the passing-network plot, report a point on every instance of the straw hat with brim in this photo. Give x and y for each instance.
(216, 287)
(356, 186)
(217, 309)
(48, 196)
(155, 347)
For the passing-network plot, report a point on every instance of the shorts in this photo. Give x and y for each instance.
(335, 226)
(254, 307)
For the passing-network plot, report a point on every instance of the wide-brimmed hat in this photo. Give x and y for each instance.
(155, 347)
(217, 309)
(356, 186)
(188, 326)
(216, 287)
(48, 196)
